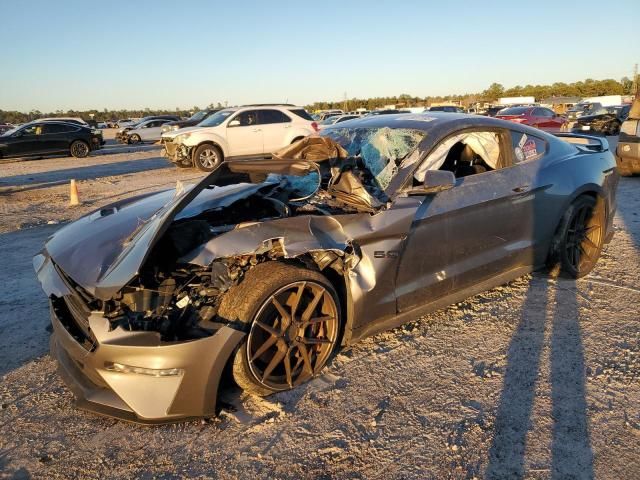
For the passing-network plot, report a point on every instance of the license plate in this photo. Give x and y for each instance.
(586, 127)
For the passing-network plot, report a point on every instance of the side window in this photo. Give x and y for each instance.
(52, 128)
(465, 154)
(247, 118)
(32, 130)
(273, 116)
(527, 147)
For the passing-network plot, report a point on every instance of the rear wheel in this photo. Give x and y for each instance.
(79, 149)
(579, 238)
(293, 319)
(207, 157)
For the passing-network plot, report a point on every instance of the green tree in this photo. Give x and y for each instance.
(494, 92)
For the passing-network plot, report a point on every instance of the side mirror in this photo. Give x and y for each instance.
(435, 181)
(234, 123)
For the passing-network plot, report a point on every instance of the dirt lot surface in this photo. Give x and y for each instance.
(535, 379)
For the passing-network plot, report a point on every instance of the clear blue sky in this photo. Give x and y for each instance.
(132, 54)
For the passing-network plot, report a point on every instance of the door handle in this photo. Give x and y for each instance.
(521, 189)
(257, 130)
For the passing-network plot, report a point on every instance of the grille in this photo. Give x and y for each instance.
(68, 320)
(75, 309)
(170, 147)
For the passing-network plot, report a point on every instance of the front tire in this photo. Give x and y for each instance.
(79, 149)
(134, 139)
(293, 320)
(207, 157)
(579, 239)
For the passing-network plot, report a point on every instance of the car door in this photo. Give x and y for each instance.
(470, 233)
(244, 134)
(275, 126)
(55, 137)
(25, 141)
(152, 130)
(546, 119)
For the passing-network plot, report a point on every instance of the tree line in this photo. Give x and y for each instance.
(98, 115)
(585, 88)
(581, 89)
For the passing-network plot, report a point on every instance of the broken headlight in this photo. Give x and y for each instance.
(181, 138)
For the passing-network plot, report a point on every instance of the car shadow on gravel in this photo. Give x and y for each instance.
(33, 181)
(571, 454)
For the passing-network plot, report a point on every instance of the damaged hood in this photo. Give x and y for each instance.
(180, 131)
(105, 249)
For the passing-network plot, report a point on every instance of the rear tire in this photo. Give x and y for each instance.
(207, 157)
(579, 238)
(79, 149)
(293, 320)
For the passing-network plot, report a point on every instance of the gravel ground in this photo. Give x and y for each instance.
(535, 379)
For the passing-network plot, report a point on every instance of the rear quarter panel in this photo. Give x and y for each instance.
(571, 172)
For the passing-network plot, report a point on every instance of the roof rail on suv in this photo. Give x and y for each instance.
(269, 105)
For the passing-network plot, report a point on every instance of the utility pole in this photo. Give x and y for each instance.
(635, 86)
(344, 103)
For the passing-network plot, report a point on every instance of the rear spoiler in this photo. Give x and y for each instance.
(597, 144)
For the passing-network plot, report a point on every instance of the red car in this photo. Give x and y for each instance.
(540, 117)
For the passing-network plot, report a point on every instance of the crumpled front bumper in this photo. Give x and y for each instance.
(122, 137)
(87, 366)
(177, 152)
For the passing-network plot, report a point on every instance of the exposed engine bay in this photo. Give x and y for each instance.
(180, 300)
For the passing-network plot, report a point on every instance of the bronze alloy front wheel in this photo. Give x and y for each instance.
(293, 323)
(292, 336)
(580, 237)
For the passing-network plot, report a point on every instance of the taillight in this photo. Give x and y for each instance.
(315, 126)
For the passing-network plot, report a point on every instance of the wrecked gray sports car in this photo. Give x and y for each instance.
(265, 268)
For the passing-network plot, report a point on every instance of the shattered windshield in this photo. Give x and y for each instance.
(300, 187)
(381, 149)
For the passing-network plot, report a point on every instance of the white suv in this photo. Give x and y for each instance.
(249, 131)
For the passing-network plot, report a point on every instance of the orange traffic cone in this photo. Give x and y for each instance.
(73, 194)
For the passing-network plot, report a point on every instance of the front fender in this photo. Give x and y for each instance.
(197, 139)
